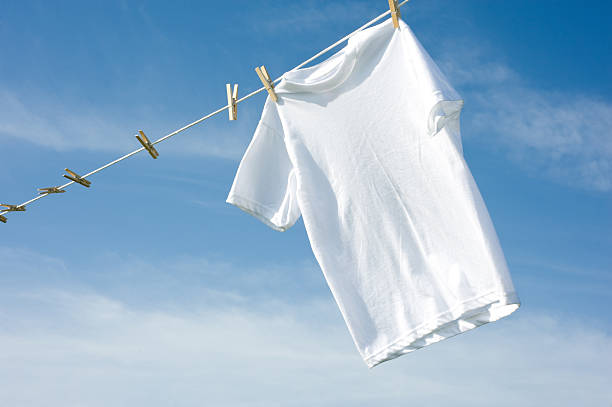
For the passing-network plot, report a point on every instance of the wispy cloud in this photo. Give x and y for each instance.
(200, 279)
(563, 137)
(97, 343)
(55, 128)
(558, 135)
(49, 123)
(76, 348)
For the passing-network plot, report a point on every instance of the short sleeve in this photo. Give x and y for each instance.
(442, 104)
(265, 185)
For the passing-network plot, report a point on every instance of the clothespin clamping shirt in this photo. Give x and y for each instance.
(395, 12)
(262, 72)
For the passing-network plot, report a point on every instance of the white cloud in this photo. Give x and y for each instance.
(66, 348)
(191, 331)
(558, 135)
(562, 137)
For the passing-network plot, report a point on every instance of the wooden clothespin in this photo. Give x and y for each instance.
(77, 178)
(395, 12)
(262, 72)
(10, 208)
(13, 208)
(50, 190)
(144, 140)
(232, 101)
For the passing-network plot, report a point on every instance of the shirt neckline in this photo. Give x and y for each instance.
(335, 70)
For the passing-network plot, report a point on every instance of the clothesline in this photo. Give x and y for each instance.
(174, 133)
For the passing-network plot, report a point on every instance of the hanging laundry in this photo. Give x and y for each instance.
(366, 147)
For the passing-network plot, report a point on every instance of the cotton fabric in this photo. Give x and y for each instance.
(366, 147)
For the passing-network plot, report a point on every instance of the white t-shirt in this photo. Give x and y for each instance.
(366, 147)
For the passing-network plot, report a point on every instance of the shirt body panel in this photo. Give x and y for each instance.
(393, 214)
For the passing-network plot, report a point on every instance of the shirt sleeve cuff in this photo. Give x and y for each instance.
(443, 110)
(257, 210)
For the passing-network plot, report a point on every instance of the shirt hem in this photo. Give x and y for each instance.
(466, 316)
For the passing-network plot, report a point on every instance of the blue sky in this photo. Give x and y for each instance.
(148, 289)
